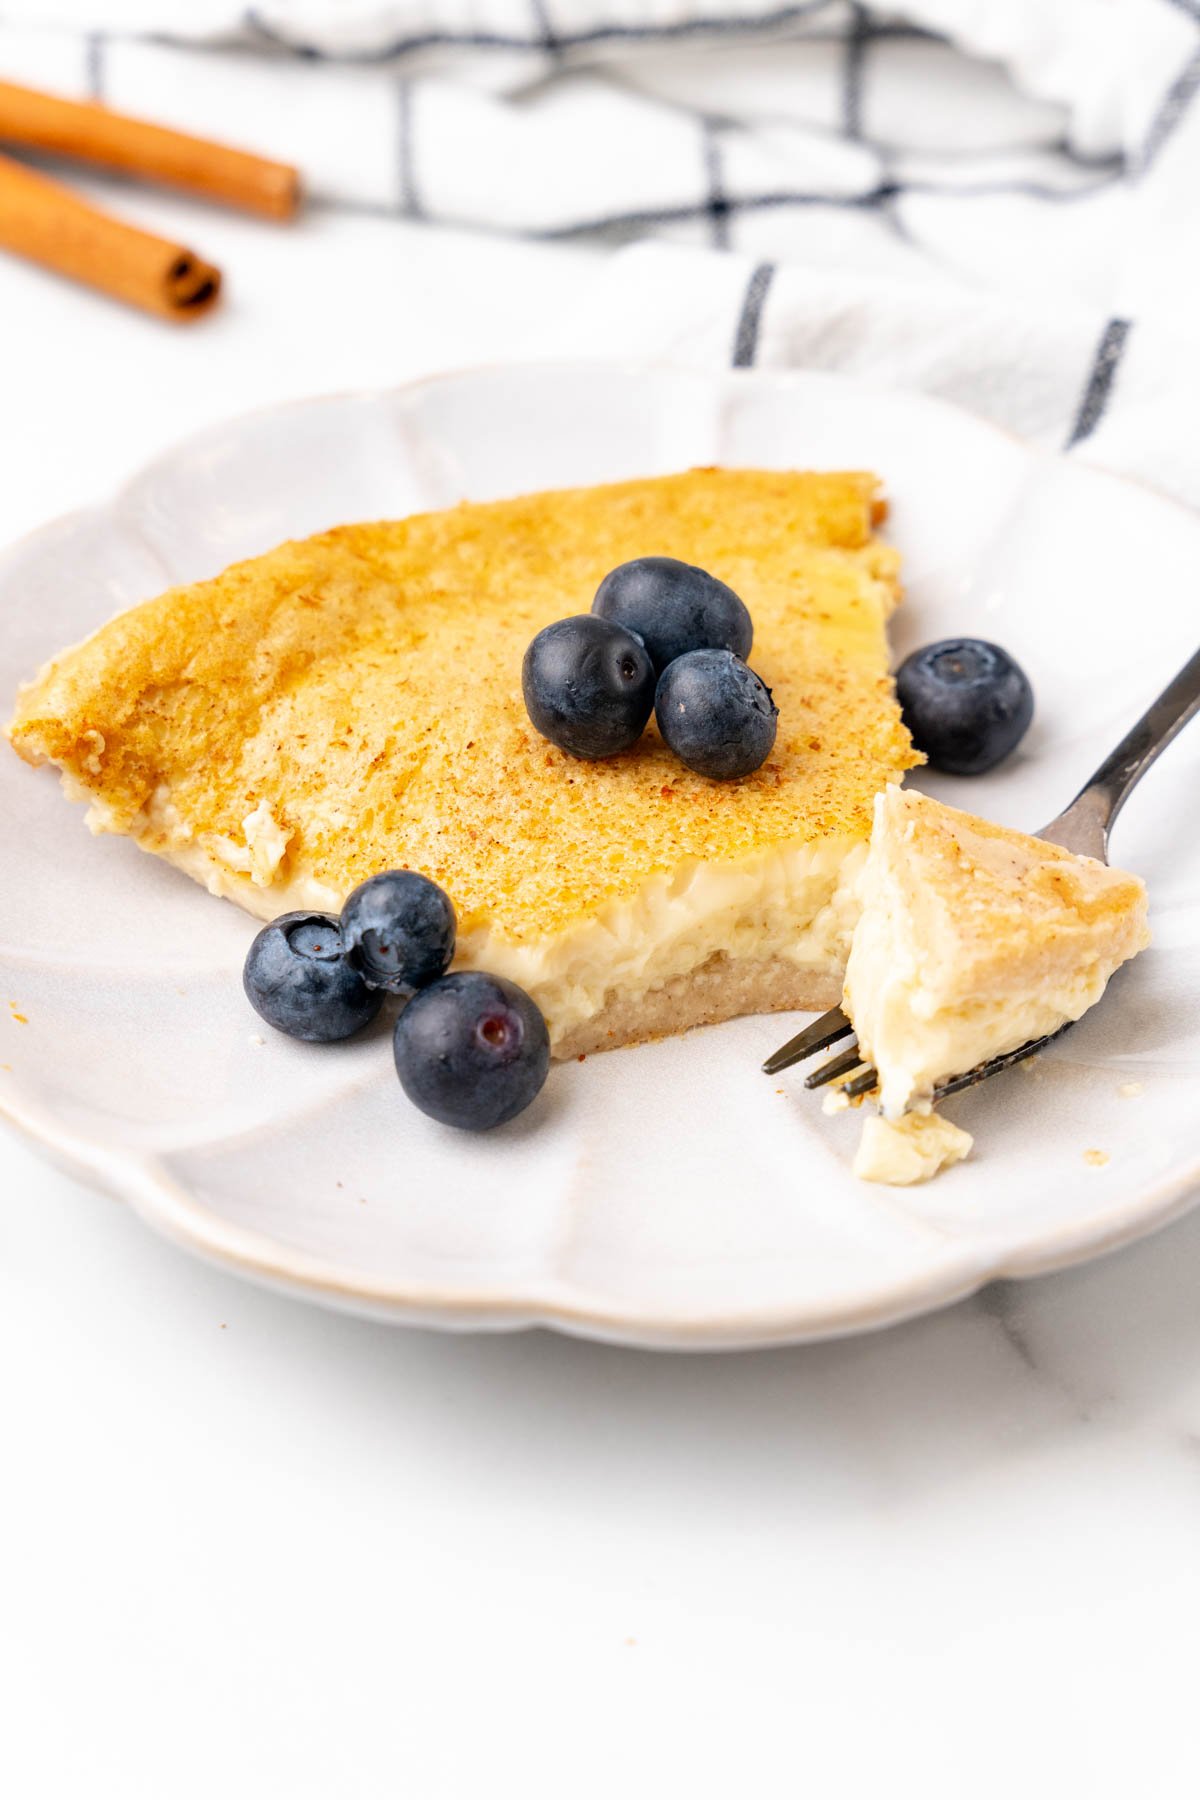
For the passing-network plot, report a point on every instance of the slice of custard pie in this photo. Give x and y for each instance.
(352, 703)
(972, 941)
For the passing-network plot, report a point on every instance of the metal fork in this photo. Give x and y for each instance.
(1083, 828)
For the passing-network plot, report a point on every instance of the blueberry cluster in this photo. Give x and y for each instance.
(662, 637)
(471, 1049)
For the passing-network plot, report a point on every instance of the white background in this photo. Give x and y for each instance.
(251, 1548)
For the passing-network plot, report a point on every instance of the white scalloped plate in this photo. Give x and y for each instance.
(668, 1195)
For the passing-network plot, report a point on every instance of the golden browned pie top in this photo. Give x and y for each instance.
(360, 692)
(992, 905)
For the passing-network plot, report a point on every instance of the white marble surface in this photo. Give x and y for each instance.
(250, 1548)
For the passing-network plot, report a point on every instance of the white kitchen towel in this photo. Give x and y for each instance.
(996, 200)
(1001, 140)
(1123, 391)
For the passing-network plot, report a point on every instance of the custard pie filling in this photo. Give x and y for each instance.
(798, 904)
(974, 940)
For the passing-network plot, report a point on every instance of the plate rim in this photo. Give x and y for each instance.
(168, 1208)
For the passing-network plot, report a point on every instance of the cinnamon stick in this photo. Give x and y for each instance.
(97, 134)
(48, 223)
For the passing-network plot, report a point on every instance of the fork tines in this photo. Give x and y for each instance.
(826, 1030)
(836, 1066)
(818, 1036)
(833, 1026)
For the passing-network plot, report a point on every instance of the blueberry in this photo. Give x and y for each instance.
(674, 607)
(715, 713)
(472, 1050)
(588, 686)
(298, 979)
(966, 703)
(398, 930)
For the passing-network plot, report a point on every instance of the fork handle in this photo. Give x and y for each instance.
(1086, 823)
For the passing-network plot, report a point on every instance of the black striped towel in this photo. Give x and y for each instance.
(991, 199)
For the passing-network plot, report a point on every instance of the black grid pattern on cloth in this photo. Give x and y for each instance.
(717, 203)
(862, 34)
(885, 172)
(1100, 381)
(772, 19)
